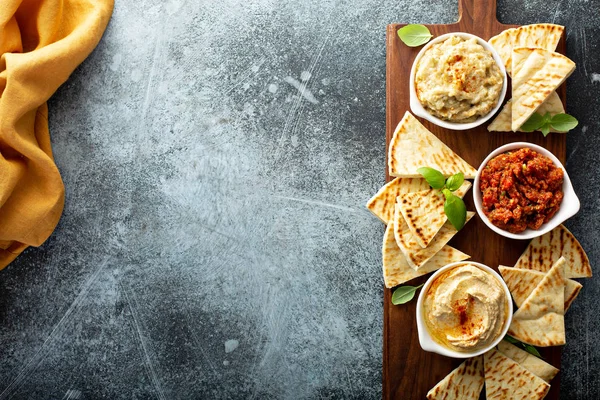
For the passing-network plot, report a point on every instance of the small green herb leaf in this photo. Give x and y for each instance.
(455, 210)
(414, 35)
(560, 122)
(434, 177)
(563, 122)
(532, 350)
(527, 347)
(511, 339)
(404, 294)
(534, 123)
(455, 181)
(547, 117)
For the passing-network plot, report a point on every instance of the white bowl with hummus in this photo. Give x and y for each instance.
(568, 207)
(463, 310)
(457, 81)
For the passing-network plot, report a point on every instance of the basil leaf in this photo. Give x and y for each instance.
(547, 117)
(534, 123)
(532, 350)
(434, 177)
(545, 129)
(455, 210)
(414, 35)
(511, 339)
(404, 294)
(563, 122)
(455, 181)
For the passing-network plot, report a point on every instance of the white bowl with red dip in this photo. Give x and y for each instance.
(461, 81)
(464, 309)
(520, 195)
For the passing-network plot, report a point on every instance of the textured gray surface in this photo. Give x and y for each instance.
(217, 156)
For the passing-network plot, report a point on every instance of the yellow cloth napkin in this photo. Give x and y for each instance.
(41, 43)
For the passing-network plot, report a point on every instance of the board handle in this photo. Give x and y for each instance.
(471, 11)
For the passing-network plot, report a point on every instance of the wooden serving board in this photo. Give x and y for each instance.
(408, 371)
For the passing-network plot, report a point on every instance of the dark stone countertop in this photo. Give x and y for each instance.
(217, 157)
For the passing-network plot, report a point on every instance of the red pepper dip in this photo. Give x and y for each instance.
(521, 189)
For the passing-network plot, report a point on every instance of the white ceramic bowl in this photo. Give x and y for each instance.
(419, 110)
(569, 206)
(429, 344)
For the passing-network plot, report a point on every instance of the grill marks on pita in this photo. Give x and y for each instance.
(413, 212)
(545, 250)
(545, 36)
(383, 203)
(424, 212)
(463, 383)
(540, 319)
(528, 361)
(506, 379)
(536, 74)
(416, 255)
(521, 283)
(414, 146)
(503, 121)
(536, 69)
(396, 269)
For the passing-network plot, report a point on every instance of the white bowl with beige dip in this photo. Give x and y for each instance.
(455, 84)
(463, 310)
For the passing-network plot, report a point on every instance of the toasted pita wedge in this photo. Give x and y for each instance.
(521, 283)
(506, 379)
(540, 320)
(503, 43)
(463, 383)
(424, 212)
(383, 203)
(503, 121)
(415, 255)
(543, 252)
(413, 147)
(528, 361)
(545, 36)
(536, 74)
(395, 268)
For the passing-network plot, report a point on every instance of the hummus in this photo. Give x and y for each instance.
(458, 80)
(465, 308)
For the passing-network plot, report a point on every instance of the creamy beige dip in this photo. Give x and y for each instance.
(458, 80)
(465, 308)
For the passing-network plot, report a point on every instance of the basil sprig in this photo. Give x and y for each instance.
(559, 122)
(414, 35)
(527, 347)
(454, 206)
(404, 294)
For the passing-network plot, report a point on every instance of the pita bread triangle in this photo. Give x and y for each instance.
(415, 255)
(503, 43)
(424, 212)
(543, 252)
(528, 361)
(413, 146)
(536, 74)
(503, 121)
(395, 268)
(463, 383)
(545, 36)
(383, 203)
(505, 377)
(540, 320)
(521, 283)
